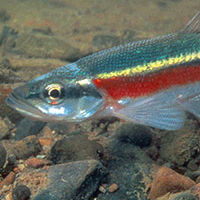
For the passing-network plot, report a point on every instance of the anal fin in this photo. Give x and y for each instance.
(156, 114)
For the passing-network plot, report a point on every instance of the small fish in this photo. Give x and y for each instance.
(150, 82)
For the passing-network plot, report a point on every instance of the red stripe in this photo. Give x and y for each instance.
(119, 87)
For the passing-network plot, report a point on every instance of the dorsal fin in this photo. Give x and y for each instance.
(193, 26)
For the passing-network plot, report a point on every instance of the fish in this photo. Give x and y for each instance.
(152, 82)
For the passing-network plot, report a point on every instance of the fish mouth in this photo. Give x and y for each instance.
(23, 107)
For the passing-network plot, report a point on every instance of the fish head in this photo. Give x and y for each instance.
(60, 95)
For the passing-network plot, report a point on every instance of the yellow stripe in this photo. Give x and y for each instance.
(151, 66)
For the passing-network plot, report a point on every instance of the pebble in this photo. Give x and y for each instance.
(136, 134)
(21, 192)
(28, 127)
(36, 162)
(198, 179)
(112, 188)
(45, 141)
(21, 166)
(73, 148)
(24, 148)
(130, 168)
(8, 180)
(167, 180)
(74, 180)
(180, 146)
(2, 156)
(192, 165)
(102, 189)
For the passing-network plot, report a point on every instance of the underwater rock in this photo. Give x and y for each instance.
(167, 180)
(2, 156)
(21, 192)
(59, 128)
(130, 168)
(8, 180)
(24, 148)
(74, 148)
(192, 165)
(74, 180)
(112, 188)
(28, 127)
(45, 46)
(36, 162)
(181, 146)
(136, 134)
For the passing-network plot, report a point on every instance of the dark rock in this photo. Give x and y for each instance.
(21, 192)
(129, 168)
(2, 156)
(76, 180)
(180, 146)
(4, 16)
(12, 159)
(185, 196)
(135, 134)
(45, 46)
(24, 148)
(28, 127)
(76, 147)
(58, 128)
(192, 165)
(105, 41)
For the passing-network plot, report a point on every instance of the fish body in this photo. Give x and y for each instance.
(150, 82)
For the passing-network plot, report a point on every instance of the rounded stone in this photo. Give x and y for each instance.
(73, 148)
(21, 192)
(135, 134)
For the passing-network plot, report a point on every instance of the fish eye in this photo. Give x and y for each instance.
(54, 93)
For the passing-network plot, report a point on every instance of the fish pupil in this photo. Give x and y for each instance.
(54, 93)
